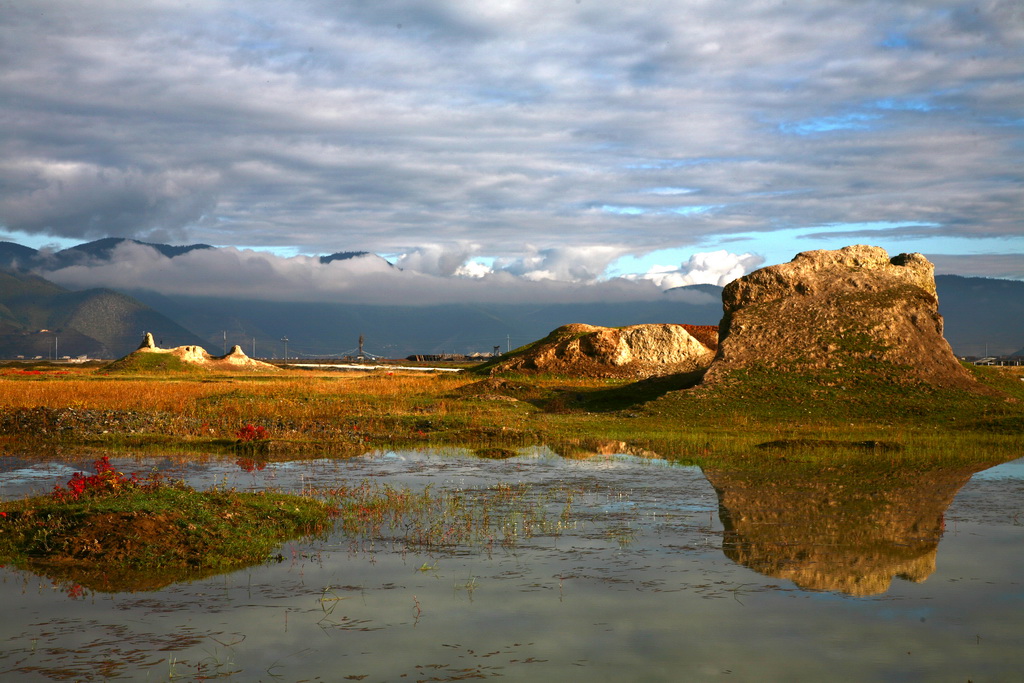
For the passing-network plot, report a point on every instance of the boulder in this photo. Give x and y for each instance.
(636, 351)
(843, 309)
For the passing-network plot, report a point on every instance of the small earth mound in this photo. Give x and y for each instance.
(149, 355)
(633, 352)
(495, 389)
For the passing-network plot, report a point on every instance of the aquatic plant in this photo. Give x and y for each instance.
(503, 514)
(106, 480)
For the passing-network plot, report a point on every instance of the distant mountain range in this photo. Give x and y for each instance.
(25, 259)
(41, 319)
(983, 316)
(18, 257)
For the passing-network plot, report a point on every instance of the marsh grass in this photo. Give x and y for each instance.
(670, 416)
(143, 534)
(501, 515)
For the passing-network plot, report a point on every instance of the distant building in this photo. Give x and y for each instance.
(995, 360)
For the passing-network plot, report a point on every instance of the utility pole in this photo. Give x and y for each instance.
(285, 340)
(253, 348)
(508, 343)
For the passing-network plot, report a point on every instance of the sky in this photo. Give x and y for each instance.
(504, 148)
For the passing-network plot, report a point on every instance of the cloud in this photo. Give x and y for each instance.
(571, 264)
(391, 125)
(437, 259)
(704, 268)
(249, 274)
(76, 199)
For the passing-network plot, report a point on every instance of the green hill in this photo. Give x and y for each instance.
(39, 318)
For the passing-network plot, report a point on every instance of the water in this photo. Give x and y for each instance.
(659, 576)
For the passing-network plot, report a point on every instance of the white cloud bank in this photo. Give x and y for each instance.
(707, 268)
(429, 275)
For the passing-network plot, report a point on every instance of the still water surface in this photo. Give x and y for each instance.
(660, 576)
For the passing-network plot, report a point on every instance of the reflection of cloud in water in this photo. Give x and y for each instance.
(850, 528)
(1013, 470)
(20, 477)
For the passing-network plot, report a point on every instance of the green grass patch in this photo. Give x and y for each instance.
(152, 364)
(122, 534)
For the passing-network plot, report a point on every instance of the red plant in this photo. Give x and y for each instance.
(250, 433)
(106, 480)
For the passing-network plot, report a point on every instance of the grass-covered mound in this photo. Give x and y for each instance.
(152, 363)
(112, 532)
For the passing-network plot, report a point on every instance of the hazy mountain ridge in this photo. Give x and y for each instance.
(316, 329)
(39, 318)
(983, 316)
(349, 255)
(19, 257)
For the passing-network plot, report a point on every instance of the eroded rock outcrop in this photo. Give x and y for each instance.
(197, 355)
(636, 351)
(828, 309)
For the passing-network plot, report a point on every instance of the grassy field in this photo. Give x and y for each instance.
(858, 427)
(350, 412)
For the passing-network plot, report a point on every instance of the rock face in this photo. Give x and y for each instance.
(830, 309)
(637, 351)
(197, 355)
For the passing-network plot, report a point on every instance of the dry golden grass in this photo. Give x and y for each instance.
(102, 395)
(294, 402)
(135, 393)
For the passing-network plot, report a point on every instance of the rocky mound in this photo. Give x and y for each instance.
(840, 309)
(637, 351)
(197, 356)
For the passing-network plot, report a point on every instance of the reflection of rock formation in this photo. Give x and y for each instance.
(849, 528)
(581, 449)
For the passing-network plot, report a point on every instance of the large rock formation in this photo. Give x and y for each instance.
(197, 355)
(637, 351)
(830, 309)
